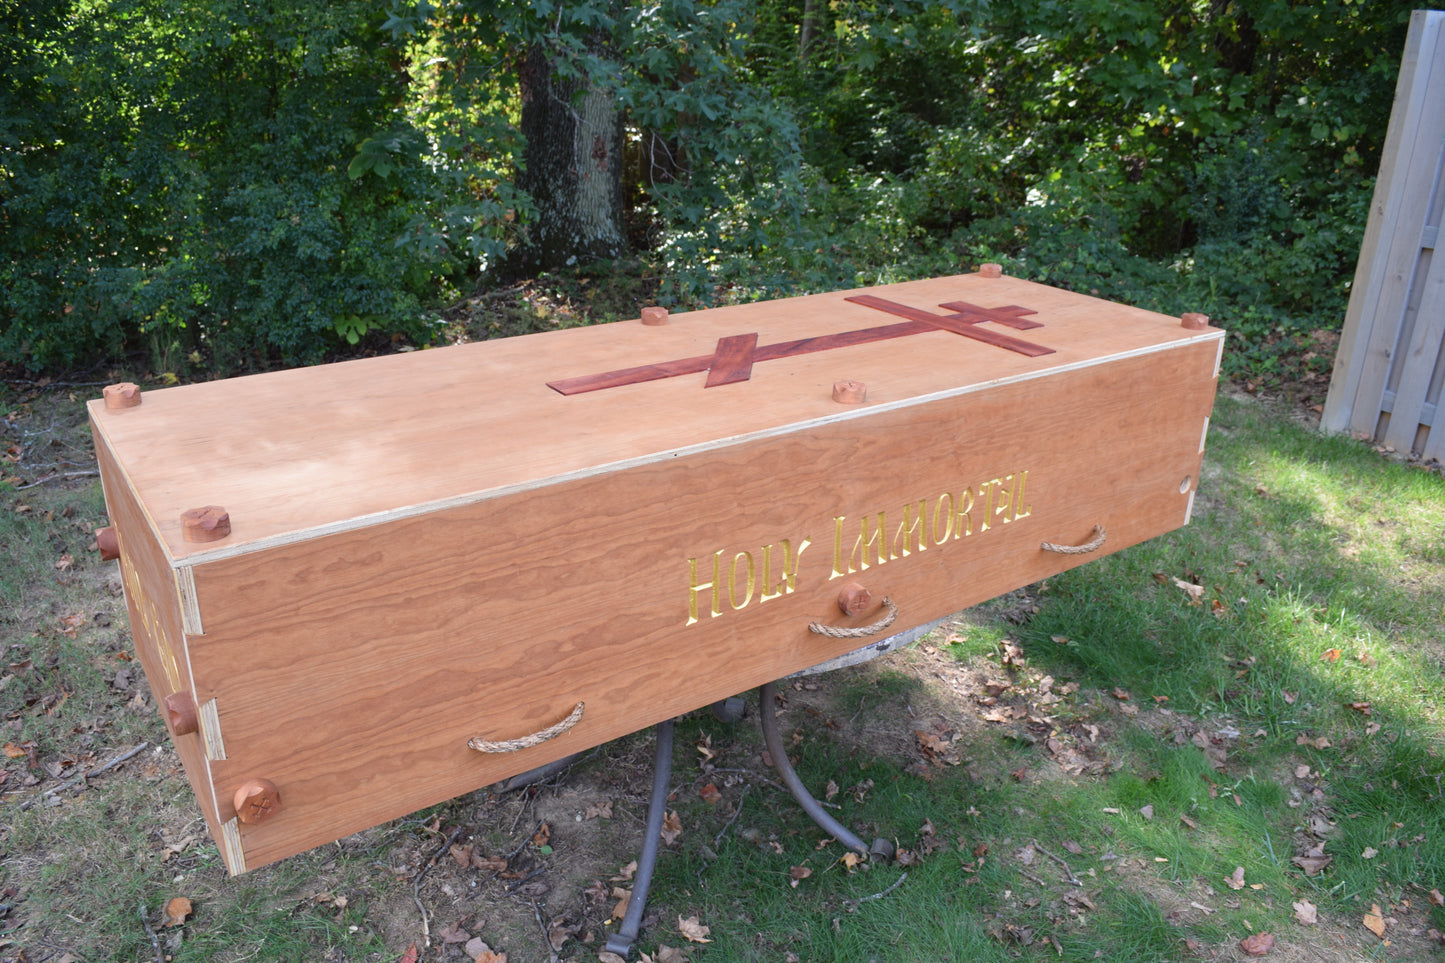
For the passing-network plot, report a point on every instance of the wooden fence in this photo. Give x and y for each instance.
(1391, 363)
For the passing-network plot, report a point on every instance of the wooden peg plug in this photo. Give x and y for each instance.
(208, 524)
(990, 270)
(180, 709)
(854, 599)
(123, 395)
(654, 316)
(850, 392)
(107, 544)
(1194, 321)
(256, 800)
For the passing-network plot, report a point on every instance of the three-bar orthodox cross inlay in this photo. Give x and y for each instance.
(735, 355)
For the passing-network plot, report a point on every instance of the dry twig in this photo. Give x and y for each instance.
(65, 476)
(1067, 871)
(145, 920)
(77, 780)
(737, 811)
(546, 939)
(879, 895)
(416, 884)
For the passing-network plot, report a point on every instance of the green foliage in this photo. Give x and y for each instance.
(242, 186)
(176, 177)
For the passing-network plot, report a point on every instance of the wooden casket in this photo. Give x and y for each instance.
(364, 588)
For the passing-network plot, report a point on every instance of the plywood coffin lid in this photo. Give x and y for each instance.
(303, 453)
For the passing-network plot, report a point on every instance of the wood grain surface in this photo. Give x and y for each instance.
(295, 453)
(479, 553)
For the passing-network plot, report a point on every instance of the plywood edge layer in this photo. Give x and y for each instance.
(210, 718)
(230, 841)
(190, 605)
(843, 415)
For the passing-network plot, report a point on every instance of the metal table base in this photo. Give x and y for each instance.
(730, 710)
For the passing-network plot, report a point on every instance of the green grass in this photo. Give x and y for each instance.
(1300, 702)
(1309, 544)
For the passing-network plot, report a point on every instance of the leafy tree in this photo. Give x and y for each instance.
(175, 181)
(244, 184)
(702, 139)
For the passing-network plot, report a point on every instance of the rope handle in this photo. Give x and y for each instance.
(527, 742)
(862, 630)
(1092, 545)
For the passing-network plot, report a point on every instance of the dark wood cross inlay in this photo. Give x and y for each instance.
(735, 355)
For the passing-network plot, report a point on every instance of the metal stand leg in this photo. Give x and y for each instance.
(774, 741)
(621, 941)
(532, 776)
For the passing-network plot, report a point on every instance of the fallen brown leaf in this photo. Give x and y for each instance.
(1306, 912)
(1236, 880)
(1331, 655)
(177, 910)
(409, 956)
(797, 873)
(710, 794)
(1374, 921)
(692, 930)
(1195, 592)
(671, 827)
(1437, 898)
(454, 934)
(1257, 945)
(1314, 861)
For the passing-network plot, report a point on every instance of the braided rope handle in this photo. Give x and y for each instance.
(862, 630)
(1092, 545)
(527, 742)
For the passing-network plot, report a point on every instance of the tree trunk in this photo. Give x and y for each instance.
(809, 27)
(573, 158)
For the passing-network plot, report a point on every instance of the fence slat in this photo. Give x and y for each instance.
(1418, 359)
(1386, 361)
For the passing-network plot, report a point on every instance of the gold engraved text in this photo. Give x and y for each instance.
(152, 628)
(730, 580)
(951, 516)
(739, 583)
